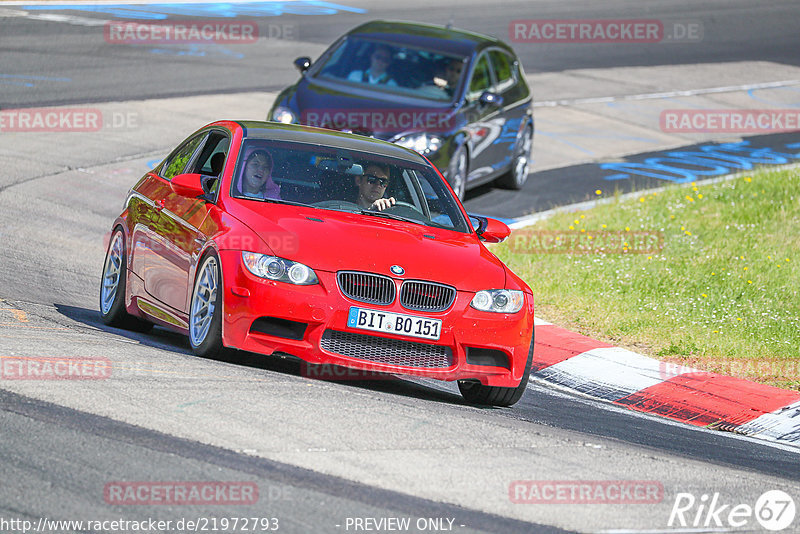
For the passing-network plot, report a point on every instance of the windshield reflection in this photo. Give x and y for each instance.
(344, 180)
(405, 70)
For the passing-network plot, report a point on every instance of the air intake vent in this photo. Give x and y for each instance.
(366, 287)
(384, 350)
(426, 296)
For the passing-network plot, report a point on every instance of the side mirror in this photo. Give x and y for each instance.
(490, 230)
(187, 185)
(488, 97)
(302, 63)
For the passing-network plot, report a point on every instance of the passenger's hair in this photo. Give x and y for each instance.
(260, 152)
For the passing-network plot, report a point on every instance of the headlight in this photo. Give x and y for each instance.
(284, 115)
(498, 300)
(279, 269)
(423, 143)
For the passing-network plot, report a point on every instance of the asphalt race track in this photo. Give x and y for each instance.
(346, 456)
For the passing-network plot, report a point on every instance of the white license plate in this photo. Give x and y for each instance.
(394, 323)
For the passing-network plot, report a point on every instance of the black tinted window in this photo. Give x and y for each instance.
(212, 158)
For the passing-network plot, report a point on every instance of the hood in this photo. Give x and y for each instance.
(334, 241)
(372, 113)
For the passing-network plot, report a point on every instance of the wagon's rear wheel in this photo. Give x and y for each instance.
(457, 172)
(517, 175)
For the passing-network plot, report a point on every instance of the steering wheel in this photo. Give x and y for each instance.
(400, 207)
(407, 205)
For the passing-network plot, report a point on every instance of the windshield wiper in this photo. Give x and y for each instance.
(391, 216)
(279, 201)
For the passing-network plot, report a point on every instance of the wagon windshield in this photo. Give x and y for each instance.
(345, 180)
(386, 67)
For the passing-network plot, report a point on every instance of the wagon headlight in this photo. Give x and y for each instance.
(498, 300)
(422, 142)
(279, 269)
(284, 115)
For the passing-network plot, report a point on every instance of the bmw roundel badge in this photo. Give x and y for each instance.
(396, 269)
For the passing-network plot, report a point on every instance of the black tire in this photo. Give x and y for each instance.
(207, 342)
(113, 286)
(517, 175)
(457, 171)
(476, 393)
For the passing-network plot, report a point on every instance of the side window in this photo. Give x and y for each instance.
(178, 160)
(211, 161)
(481, 78)
(212, 158)
(504, 73)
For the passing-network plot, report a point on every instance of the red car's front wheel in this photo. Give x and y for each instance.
(476, 393)
(205, 312)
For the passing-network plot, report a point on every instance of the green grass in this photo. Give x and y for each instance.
(721, 295)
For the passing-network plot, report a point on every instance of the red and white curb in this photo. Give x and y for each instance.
(683, 394)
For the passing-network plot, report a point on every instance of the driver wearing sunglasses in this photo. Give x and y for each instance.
(372, 186)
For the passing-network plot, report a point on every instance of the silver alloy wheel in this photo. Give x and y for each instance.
(111, 273)
(522, 160)
(458, 176)
(204, 301)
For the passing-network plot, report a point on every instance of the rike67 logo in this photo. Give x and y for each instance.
(774, 510)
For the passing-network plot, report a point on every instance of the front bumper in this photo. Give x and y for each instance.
(310, 322)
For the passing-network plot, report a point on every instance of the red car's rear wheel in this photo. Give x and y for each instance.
(112, 287)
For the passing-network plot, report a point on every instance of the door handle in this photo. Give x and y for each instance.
(158, 205)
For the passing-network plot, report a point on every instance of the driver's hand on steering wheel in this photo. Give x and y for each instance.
(382, 203)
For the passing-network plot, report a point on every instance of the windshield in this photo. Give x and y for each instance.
(344, 180)
(398, 69)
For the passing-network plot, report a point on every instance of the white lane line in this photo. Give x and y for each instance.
(66, 19)
(665, 94)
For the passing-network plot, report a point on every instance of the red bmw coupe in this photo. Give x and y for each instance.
(334, 248)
